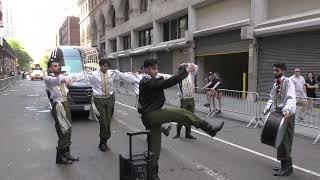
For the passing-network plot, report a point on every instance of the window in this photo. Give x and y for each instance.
(126, 42)
(143, 6)
(113, 18)
(113, 45)
(175, 28)
(103, 48)
(182, 26)
(103, 24)
(145, 37)
(126, 11)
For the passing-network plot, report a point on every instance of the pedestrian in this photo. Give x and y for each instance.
(151, 100)
(208, 78)
(311, 86)
(300, 89)
(57, 87)
(213, 91)
(185, 93)
(283, 100)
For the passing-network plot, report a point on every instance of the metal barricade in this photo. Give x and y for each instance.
(308, 113)
(6, 82)
(239, 102)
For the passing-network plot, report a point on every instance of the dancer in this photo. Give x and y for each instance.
(151, 100)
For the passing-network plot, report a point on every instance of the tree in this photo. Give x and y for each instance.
(24, 59)
(44, 60)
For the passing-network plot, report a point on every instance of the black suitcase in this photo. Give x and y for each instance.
(137, 166)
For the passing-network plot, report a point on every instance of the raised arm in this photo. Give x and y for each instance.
(83, 76)
(127, 77)
(165, 76)
(166, 83)
(51, 81)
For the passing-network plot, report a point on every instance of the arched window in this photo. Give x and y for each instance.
(94, 31)
(103, 24)
(88, 34)
(113, 17)
(143, 6)
(126, 11)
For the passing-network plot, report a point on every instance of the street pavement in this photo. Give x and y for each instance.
(28, 142)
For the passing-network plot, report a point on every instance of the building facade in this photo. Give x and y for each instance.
(8, 59)
(240, 39)
(69, 32)
(7, 19)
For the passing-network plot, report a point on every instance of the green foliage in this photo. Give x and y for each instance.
(24, 59)
(44, 60)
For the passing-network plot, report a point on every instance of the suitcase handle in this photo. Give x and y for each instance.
(130, 134)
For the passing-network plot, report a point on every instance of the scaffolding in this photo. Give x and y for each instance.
(90, 57)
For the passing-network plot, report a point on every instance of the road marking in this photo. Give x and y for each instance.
(240, 147)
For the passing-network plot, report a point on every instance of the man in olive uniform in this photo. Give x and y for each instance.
(151, 100)
(56, 86)
(283, 98)
(102, 83)
(185, 93)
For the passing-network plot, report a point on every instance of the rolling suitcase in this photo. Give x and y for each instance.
(136, 166)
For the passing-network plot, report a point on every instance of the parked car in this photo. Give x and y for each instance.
(37, 74)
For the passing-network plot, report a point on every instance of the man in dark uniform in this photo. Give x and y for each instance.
(283, 98)
(151, 100)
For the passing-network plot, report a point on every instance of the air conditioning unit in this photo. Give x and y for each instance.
(246, 32)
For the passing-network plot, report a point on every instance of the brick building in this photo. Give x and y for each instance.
(69, 32)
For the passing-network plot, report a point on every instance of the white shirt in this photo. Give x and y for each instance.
(95, 80)
(55, 88)
(287, 98)
(299, 84)
(186, 91)
(135, 79)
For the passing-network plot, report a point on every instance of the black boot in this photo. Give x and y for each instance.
(154, 173)
(188, 133)
(178, 132)
(166, 131)
(287, 170)
(209, 129)
(103, 145)
(279, 168)
(61, 157)
(69, 156)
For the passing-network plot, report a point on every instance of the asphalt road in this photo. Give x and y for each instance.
(28, 142)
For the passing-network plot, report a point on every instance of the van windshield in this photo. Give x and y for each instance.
(73, 64)
(72, 61)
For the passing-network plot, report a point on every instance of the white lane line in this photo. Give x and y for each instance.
(240, 147)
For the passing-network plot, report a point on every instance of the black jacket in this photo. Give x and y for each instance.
(151, 95)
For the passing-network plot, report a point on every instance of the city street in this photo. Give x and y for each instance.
(28, 141)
